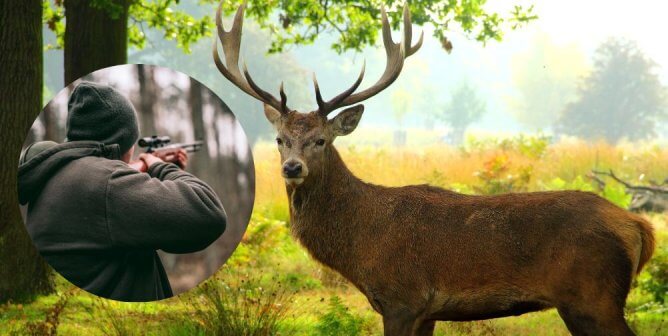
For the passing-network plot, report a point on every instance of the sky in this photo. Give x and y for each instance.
(430, 75)
(569, 24)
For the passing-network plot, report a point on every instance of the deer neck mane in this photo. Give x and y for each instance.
(322, 211)
(334, 181)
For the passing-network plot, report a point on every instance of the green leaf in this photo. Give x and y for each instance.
(616, 193)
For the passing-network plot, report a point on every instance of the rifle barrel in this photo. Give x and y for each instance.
(191, 147)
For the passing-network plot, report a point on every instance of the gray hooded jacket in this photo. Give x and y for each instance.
(99, 222)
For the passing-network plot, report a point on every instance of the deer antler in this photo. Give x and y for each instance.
(395, 52)
(231, 42)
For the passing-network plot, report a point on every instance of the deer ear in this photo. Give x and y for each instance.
(346, 121)
(272, 114)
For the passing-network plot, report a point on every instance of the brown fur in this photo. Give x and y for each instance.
(422, 254)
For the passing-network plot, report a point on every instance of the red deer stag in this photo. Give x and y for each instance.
(422, 254)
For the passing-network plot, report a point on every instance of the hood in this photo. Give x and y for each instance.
(40, 161)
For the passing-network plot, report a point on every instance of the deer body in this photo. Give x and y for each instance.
(422, 254)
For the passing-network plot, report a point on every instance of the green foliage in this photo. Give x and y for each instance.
(52, 17)
(260, 239)
(614, 193)
(176, 25)
(462, 188)
(338, 320)
(497, 178)
(49, 326)
(301, 21)
(465, 107)
(533, 146)
(357, 23)
(436, 178)
(622, 97)
(656, 283)
(577, 183)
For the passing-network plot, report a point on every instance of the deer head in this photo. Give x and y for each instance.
(304, 138)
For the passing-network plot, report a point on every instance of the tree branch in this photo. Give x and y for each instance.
(628, 185)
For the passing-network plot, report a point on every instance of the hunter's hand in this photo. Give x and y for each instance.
(182, 158)
(149, 159)
(178, 157)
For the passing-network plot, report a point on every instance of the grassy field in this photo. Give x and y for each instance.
(271, 286)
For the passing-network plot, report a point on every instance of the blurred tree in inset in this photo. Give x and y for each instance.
(23, 273)
(148, 97)
(621, 97)
(465, 108)
(268, 70)
(546, 78)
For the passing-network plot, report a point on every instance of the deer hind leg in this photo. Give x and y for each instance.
(596, 319)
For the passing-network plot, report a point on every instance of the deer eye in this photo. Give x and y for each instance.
(320, 142)
(279, 141)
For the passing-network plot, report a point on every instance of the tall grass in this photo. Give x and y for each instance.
(457, 167)
(48, 326)
(271, 286)
(237, 304)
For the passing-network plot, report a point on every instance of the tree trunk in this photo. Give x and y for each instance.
(199, 160)
(23, 273)
(51, 128)
(95, 38)
(147, 99)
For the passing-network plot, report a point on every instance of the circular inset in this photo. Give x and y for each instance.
(137, 182)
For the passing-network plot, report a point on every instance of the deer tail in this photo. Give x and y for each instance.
(648, 243)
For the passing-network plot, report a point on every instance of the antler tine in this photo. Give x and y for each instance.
(318, 95)
(396, 53)
(408, 34)
(324, 108)
(284, 99)
(231, 44)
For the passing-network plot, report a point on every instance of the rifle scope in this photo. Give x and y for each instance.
(154, 141)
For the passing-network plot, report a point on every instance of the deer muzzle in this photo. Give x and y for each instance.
(294, 171)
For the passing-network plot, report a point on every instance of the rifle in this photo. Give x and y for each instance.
(160, 146)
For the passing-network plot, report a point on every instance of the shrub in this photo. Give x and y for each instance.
(577, 183)
(612, 192)
(338, 320)
(238, 305)
(497, 178)
(656, 280)
(532, 146)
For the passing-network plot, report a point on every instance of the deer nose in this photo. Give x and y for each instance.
(292, 169)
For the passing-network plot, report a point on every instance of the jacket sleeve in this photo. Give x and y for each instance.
(167, 209)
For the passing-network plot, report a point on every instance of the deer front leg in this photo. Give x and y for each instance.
(398, 325)
(408, 326)
(426, 328)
